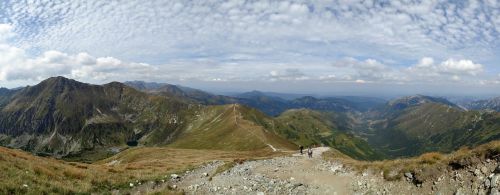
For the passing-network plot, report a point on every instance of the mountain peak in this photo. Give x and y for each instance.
(59, 81)
(418, 99)
(253, 93)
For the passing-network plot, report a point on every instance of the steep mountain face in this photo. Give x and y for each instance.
(61, 116)
(490, 104)
(412, 125)
(5, 95)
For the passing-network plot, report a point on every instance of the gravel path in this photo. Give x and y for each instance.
(298, 174)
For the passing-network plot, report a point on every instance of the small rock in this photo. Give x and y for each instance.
(487, 184)
(409, 175)
(494, 191)
(25, 185)
(476, 172)
(174, 186)
(494, 181)
(459, 192)
(260, 193)
(497, 169)
(488, 160)
(484, 170)
(131, 185)
(205, 174)
(175, 177)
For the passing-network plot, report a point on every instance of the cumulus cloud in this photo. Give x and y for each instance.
(426, 68)
(16, 65)
(361, 71)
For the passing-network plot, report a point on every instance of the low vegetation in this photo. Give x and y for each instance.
(23, 173)
(424, 167)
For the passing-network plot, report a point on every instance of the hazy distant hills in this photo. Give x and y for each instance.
(266, 102)
(64, 117)
(489, 104)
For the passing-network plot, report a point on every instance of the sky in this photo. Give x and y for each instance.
(339, 47)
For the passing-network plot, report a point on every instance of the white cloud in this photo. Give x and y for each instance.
(426, 68)
(5, 32)
(366, 70)
(16, 65)
(163, 30)
(461, 67)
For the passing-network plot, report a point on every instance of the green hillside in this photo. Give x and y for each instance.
(307, 127)
(432, 126)
(226, 128)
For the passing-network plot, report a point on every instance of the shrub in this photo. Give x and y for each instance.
(431, 158)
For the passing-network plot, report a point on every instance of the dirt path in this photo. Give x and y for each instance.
(297, 174)
(308, 172)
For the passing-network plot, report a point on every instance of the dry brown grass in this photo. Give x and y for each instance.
(51, 176)
(426, 166)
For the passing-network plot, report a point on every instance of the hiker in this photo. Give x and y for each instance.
(301, 149)
(310, 152)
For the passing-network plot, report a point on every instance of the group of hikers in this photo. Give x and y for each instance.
(309, 151)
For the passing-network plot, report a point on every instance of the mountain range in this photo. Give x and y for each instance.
(269, 104)
(65, 118)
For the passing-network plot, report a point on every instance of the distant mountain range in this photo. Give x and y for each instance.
(271, 105)
(489, 104)
(66, 118)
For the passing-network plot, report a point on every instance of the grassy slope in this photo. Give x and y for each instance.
(306, 127)
(427, 166)
(435, 127)
(44, 175)
(225, 128)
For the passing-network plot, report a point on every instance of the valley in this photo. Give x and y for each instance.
(131, 137)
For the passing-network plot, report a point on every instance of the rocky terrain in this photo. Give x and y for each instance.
(298, 174)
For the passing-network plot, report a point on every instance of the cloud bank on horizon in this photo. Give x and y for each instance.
(401, 42)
